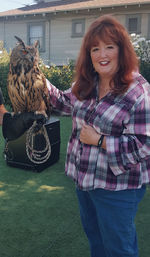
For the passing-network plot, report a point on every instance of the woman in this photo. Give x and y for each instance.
(108, 153)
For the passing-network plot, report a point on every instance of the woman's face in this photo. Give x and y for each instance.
(105, 57)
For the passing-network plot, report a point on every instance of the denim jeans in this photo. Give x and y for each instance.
(108, 221)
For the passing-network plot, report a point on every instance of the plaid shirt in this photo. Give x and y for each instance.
(125, 120)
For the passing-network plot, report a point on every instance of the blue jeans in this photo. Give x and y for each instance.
(108, 221)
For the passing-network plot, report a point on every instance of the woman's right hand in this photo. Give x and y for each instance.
(89, 136)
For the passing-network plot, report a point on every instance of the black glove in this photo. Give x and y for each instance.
(14, 125)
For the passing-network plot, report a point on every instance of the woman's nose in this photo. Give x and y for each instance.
(102, 52)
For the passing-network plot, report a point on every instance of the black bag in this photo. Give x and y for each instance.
(15, 152)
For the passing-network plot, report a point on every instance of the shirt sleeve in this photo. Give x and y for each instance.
(1, 97)
(133, 146)
(61, 101)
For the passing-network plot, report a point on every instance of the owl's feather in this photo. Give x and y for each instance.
(26, 83)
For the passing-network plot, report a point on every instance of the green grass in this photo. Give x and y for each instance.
(39, 214)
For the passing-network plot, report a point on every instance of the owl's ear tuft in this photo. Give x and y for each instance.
(20, 41)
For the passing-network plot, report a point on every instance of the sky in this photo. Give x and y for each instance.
(6, 5)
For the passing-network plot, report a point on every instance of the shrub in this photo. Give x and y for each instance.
(4, 68)
(61, 77)
(142, 48)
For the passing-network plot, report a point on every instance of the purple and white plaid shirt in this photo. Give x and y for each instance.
(125, 120)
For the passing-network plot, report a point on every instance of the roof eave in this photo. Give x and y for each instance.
(43, 13)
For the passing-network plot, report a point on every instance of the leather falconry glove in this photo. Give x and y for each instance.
(14, 125)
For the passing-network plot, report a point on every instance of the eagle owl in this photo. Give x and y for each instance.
(27, 88)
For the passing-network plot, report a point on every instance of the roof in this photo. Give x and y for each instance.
(70, 5)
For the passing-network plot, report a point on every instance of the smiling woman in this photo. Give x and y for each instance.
(108, 154)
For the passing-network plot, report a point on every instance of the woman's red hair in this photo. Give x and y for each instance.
(105, 28)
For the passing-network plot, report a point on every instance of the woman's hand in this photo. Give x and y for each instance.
(89, 136)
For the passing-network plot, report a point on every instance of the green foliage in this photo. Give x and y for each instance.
(145, 70)
(61, 77)
(4, 68)
(142, 48)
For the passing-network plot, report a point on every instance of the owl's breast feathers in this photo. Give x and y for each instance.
(27, 90)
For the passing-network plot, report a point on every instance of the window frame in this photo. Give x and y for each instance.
(131, 16)
(74, 23)
(32, 24)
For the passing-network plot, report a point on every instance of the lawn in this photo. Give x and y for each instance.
(39, 214)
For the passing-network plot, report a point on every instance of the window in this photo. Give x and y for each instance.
(78, 28)
(134, 24)
(36, 31)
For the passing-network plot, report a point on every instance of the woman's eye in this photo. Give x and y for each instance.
(95, 49)
(110, 47)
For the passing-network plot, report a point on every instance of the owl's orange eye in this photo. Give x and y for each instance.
(24, 52)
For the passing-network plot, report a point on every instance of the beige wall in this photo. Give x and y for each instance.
(63, 47)
(9, 29)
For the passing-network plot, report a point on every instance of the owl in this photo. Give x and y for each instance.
(26, 86)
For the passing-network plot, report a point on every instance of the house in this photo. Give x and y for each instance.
(59, 25)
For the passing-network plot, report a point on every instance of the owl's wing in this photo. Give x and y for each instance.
(16, 93)
(38, 98)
